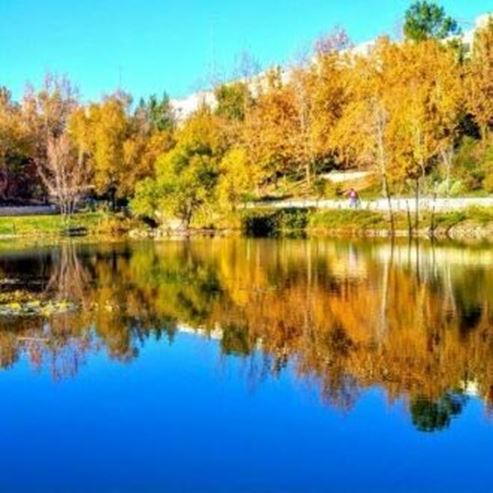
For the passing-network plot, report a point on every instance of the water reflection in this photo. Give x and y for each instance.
(414, 320)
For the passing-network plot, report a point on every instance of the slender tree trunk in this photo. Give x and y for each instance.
(418, 261)
(307, 150)
(188, 216)
(484, 132)
(380, 122)
(409, 220)
(308, 174)
(113, 200)
(416, 212)
(432, 218)
(447, 156)
(389, 204)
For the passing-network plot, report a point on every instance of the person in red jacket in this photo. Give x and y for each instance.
(353, 198)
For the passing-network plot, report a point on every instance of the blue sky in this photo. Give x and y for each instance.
(156, 45)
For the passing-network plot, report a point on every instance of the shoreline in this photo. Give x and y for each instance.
(472, 225)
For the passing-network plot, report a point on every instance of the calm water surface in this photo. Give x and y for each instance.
(248, 366)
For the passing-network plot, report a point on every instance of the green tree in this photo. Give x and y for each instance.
(425, 20)
(186, 176)
(156, 114)
(232, 100)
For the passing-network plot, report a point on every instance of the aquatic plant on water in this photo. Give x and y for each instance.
(21, 303)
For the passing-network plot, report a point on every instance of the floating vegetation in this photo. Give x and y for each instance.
(26, 304)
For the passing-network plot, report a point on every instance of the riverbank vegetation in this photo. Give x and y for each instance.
(415, 113)
(472, 223)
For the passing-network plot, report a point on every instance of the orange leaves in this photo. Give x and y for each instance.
(479, 78)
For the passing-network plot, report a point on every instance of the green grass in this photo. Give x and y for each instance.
(449, 219)
(479, 215)
(267, 222)
(51, 225)
(347, 220)
(482, 215)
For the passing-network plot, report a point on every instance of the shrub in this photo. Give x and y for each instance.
(269, 222)
(258, 223)
(292, 219)
(457, 188)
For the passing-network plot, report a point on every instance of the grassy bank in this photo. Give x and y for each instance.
(470, 223)
(94, 223)
(474, 222)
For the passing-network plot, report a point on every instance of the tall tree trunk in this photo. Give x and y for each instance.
(113, 200)
(389, 204)
(416, 211)
(432, 218)
(308, 174)
(484, 132)
(380, 123)
(447, 157)
(409, 220)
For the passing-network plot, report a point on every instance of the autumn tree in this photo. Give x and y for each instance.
(429, 92)
(64, 172)
(479, 79)
(101, 130)
(237, 179)
(331, 75)
(313, 94)
(365, 135)
(269, 130)
(45, 114)
(17, 175)
(46, 111)
(299, 128)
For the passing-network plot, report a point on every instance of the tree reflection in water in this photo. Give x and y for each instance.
(414, 320)
(428, 415)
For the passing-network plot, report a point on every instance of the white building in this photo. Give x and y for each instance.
(185, 107)
(468, 36)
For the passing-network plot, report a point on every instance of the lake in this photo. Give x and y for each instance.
(246, 365)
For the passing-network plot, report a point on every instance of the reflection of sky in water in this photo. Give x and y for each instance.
(180, 418)
(294, 366)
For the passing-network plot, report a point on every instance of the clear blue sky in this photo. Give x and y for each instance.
(156, 45)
